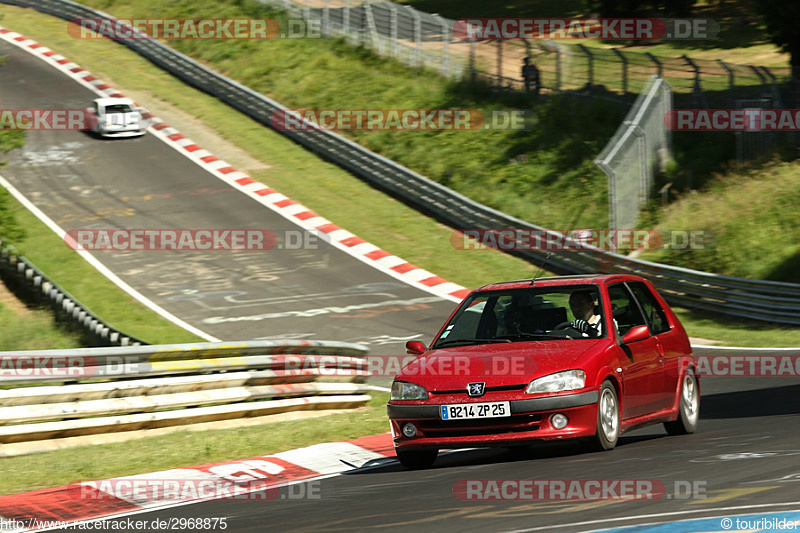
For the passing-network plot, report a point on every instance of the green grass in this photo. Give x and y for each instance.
(741, 39)
(751, 215)
(71, 272)
(187, 448)
(33, 330)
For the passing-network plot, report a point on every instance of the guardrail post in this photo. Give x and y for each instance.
(624, 69)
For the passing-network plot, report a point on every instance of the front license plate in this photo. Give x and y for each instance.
(463, 411)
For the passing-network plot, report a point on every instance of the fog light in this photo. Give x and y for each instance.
(409, 430)
(559, 421)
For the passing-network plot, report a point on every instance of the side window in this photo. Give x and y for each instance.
(626, 312)
(655, 314)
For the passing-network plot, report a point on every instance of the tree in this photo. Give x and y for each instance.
(781, 19)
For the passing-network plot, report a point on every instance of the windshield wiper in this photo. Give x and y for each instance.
(469, 341)
(531, 336)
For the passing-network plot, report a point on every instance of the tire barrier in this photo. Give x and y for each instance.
(33, 287)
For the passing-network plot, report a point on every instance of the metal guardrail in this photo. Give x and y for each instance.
(767, 301)
(100, 390)
(32, 285)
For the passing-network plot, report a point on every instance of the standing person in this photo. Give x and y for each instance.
(531, 76)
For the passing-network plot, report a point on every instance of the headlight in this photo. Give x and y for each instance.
(569, 380)
(402, 390)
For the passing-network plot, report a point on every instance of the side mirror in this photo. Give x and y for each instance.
(636, 334)
(415, 347)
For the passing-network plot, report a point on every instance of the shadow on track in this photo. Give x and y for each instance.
(751, 403)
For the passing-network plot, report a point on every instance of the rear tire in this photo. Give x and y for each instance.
(607, 419)
(417, 459)
(688, 409)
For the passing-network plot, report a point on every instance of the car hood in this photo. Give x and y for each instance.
(496, 364)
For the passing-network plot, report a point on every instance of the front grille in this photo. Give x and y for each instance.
(463, 391)
(481, 426)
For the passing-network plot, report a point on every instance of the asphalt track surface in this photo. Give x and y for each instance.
(82, 182)
(744, 459)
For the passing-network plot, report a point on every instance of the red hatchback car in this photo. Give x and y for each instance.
(553, 358)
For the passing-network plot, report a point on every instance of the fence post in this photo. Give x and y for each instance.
(326, 24)
(417, 33)
(697, 90)
(776, 98)
(659, 66)
(393, 25)
(473, 74)
(731, 81)
(762, 78)
(307, 11)
(591, 63)
(559, 66)
(346, 19)
(445, 45)
(624, 70)
(499, 63)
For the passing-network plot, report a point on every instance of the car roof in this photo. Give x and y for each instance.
(114, 101)
(558, 281)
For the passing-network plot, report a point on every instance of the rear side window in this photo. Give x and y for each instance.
(656, 317)
(626, 311)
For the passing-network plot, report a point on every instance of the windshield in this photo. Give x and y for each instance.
(526, 314)
(119, 108)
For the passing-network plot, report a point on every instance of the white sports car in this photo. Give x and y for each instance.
(117, 117)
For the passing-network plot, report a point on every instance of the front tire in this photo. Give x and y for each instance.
(689, 408)
(608, 418)
(416, 459)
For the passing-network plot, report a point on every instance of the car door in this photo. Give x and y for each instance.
(641, 363)
(667, 343)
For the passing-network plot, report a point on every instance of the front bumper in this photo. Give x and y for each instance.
(529, 420)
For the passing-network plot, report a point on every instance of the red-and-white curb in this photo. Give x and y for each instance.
(297, 213)
(43, 509)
